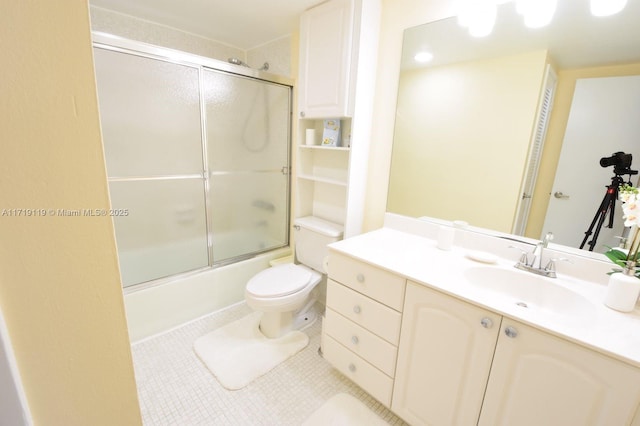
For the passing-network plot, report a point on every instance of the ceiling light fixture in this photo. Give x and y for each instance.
(607, 7)
(536, 13)
(423, 57)
(479, 16)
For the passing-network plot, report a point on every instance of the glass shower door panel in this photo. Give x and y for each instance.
(249, 213)
(248, 144)
(248, 123)
(150, 115)
(164, 230)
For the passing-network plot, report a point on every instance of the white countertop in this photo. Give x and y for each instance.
(418, 259)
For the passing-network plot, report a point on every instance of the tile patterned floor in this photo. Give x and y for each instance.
(175, 388)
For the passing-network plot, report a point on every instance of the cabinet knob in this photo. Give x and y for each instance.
(360, 278)
(352, 367)
(302, 114)
(355, 340)
(486, 322)
(511, 332)
(357, 309)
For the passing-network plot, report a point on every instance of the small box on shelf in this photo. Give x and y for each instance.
(331, 132)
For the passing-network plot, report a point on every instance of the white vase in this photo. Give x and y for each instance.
(622, 292)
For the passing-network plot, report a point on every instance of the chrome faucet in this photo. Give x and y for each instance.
(535, 265)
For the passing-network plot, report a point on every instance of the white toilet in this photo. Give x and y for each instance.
(285, 293)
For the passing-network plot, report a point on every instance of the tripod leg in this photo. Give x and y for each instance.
(599, 217)
(592, 243)
(612, 209)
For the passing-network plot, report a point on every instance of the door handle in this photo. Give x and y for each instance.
(560, 195)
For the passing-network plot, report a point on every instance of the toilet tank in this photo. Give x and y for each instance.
(312, 236)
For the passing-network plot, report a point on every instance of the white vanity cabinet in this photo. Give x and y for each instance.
(362, 324)
(326, 52)
(459, 364)
(540, 379)
(444, 358)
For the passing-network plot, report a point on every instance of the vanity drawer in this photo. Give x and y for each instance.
(360, 341)
(375, 317)
(365, 375)
(381, 285)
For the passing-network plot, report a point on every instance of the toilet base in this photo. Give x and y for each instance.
(305, 317)
(276, 324)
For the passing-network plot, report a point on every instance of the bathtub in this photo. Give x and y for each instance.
(158, 308)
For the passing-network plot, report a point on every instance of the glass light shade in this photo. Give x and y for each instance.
(463, 10)
(423, 57)
(607, 7)
(536, 13)
(477, 15)
(483, 21)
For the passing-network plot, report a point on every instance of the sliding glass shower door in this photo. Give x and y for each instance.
(197, 162)
(248, 124)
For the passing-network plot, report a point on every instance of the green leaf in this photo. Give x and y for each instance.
(615, 255)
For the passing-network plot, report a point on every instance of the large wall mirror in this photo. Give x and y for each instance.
(507, 131)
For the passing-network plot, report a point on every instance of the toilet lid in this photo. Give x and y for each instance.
(279, 281)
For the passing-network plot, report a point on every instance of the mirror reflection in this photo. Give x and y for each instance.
(507, 131)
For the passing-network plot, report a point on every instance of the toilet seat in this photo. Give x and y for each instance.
(279, 281)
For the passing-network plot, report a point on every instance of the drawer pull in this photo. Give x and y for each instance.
(355, 340)
(486, 322)
(352, 367)
(357, 309)
(360, 278)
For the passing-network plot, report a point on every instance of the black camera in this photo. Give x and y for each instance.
(621, 163)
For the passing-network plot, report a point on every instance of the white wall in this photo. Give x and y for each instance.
(126, 26)
(276, 52)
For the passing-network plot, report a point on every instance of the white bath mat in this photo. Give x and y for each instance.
(344, 410)
(238, 353)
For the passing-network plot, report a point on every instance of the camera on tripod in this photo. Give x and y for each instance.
(621, 163)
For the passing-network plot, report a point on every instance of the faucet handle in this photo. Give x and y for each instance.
(524, 257)
(551, 266)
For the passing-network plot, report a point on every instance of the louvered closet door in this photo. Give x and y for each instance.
(535, 151)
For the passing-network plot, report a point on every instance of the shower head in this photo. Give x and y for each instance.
(236, 61)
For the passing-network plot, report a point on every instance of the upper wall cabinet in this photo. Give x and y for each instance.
(326, 60)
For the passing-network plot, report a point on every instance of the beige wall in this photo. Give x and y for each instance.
(462, 127)
(59, 282)
(397, 15)
(555, 135)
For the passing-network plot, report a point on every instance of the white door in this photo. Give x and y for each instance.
(603, 120)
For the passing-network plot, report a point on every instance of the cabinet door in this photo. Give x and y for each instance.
(326, 40)
(444, 358)
(539, 379)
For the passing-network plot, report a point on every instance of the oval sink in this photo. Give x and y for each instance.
(531, 291)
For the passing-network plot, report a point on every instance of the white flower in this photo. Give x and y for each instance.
(627, 196)
(631, 215)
